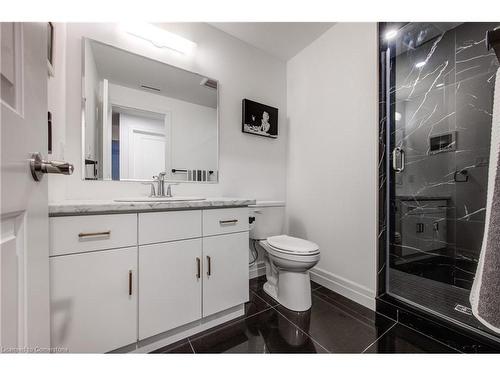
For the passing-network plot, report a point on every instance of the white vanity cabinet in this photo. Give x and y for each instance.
(170, 286)
(173, 274)
(226, 260)
(121, 280)
(94, 300)
(79, 234)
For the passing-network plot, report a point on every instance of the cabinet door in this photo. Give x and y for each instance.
(225, 273)
(170, 286)
(94, 300)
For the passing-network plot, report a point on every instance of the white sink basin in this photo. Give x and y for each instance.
(160, 199)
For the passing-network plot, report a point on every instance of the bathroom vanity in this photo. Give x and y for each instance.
(136, 276)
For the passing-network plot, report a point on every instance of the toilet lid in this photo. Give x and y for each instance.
(295, 245)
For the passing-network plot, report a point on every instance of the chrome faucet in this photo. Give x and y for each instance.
(160, 191)
(169, 190)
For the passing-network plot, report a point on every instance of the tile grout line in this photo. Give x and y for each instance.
(257, 313)
(191, 345)
(354, 315)
(341, 306)
(378, 338)
(220, 326)
(336, 307)
(305, 333)
(301, 330)
(432, 338)
(262, 299)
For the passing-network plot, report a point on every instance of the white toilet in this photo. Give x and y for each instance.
(288, 259)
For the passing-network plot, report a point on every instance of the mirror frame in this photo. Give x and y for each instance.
(83, 120)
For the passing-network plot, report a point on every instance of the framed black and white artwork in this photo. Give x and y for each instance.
(259, 119)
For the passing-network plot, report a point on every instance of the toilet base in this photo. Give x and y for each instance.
(293, 290)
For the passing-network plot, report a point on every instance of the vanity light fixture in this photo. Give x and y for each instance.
(420, 64)
(159, 37)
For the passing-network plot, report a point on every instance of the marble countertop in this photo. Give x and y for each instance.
(89, 207)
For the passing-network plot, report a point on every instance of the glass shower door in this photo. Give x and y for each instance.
(440, 92)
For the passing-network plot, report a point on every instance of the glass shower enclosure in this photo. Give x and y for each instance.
(437, 99)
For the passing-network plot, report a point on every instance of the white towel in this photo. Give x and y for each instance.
(479, 283)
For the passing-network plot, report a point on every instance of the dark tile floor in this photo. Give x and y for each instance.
(334, 324)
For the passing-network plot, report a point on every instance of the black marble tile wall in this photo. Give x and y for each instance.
(438, 79)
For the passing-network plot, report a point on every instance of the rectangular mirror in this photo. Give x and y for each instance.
(142, 117)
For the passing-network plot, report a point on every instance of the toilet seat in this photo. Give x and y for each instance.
(292, 245)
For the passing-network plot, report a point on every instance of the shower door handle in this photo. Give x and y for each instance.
(398, 151)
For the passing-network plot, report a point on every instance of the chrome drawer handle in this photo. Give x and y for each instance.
(130, 282)
(94, 234)
(224, 222)
(198, 268)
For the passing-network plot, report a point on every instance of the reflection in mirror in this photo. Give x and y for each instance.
(143, 117)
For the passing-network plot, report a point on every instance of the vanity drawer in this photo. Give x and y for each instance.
(76, 234)
(157, 227)
(225, 220)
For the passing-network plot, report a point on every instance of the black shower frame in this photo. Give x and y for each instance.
(433, 325)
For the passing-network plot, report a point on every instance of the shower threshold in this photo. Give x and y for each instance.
(447, 301)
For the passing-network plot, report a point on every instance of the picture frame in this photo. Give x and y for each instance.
(259, 119)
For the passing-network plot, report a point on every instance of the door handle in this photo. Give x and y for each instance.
(395, 152)
(39, 167)
(209, 266)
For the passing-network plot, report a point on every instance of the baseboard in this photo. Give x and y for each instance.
(257, 270)
(347, 288)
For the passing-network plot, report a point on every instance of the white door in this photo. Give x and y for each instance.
(147, 154)
(94, 300)
(170, 282)
(24, 254)
(225, 272)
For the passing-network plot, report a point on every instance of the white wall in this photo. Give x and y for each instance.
(56, 98)
(250, 166)
(332, 158)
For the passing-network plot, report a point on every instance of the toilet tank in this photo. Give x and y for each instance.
(269, 219)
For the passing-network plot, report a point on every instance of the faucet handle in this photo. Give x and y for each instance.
(152, 192)
(169, 188)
